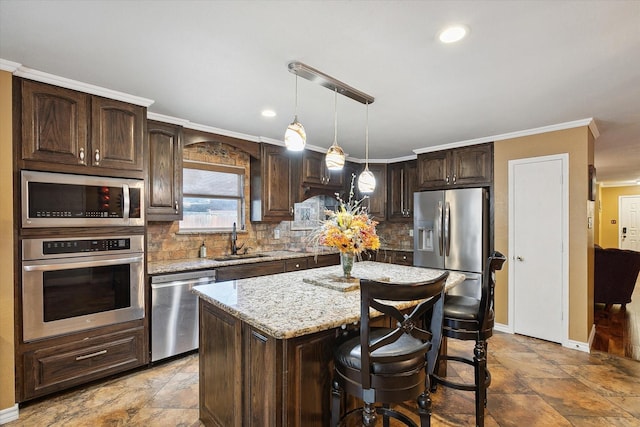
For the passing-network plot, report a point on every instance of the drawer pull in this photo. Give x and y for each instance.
(89, 356)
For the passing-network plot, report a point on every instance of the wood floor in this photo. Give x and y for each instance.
(618, 329)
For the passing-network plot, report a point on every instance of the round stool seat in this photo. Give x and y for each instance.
(349, 355)
(461, 307)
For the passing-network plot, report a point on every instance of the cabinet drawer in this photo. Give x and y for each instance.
(403, 258)
(295, 264)
(234, 272)
(54, 368)
(324, 260)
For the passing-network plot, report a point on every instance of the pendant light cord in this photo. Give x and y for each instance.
(366, 140)
(335, 117)
(296, 98)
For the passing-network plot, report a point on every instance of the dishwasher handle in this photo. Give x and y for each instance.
(191, 282)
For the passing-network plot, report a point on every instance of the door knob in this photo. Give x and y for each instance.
(519, 258)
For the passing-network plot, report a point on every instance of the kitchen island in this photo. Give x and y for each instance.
(266, 342)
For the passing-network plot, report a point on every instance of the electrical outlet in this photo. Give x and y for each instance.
(410, 233)
(276, 233)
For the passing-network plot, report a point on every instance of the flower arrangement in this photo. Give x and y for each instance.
(349, 228)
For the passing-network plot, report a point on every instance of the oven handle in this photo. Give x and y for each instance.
(80, 264)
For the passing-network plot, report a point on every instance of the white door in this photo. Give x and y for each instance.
(537, 232)
(629, 229)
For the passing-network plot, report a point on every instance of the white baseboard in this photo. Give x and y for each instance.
(577, 345)
(500, 327)
(9, 414)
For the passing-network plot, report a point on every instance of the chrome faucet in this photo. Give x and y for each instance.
(234, 240)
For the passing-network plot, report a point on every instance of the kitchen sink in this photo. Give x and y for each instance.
(241, 256)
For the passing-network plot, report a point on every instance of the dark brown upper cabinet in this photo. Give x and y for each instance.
(70, 131)
(376, 202)
(402, 183)
(275, 184)
(316, 179)
(164, 169)
(460, 167)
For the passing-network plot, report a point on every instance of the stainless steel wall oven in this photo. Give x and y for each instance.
(74, 284)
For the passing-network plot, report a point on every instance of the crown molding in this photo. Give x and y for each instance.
(43, 77)
(518, 134)
(9, 66)
(218, 131)
(618, 184)
(166, 119)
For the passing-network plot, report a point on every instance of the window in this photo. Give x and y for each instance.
(213, 197)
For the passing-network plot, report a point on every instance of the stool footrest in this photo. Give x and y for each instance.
(459, 386)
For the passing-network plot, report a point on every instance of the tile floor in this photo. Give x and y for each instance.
(535, 383)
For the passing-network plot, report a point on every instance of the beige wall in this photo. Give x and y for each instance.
(608, 236)
(7, 375)
(578, 143)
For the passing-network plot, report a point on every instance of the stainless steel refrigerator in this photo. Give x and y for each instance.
(451, 233)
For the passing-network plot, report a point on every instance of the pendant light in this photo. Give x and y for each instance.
(335, 155)
(295, 137)
(366, 180)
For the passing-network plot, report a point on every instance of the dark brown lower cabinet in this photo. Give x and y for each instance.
(248, 378)
(56, 365)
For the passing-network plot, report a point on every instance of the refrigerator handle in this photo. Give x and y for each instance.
(447, 229)
(438, 223)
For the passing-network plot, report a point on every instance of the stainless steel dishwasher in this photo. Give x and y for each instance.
(174, 312)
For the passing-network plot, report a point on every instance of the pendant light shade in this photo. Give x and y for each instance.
(335, 155)
(295, 137)
(366, 180)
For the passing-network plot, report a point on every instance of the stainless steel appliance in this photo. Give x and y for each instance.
(66, 200)
(174, 312)
(451, 232)
(73, 284)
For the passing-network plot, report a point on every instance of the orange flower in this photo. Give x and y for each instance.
(349, 228)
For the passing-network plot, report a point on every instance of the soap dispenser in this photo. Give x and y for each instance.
(203, 250)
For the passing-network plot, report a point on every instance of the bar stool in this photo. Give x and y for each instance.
(389, 365)
(468, 318)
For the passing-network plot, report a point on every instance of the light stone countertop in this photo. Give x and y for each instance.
(180, 265)
(284, 306)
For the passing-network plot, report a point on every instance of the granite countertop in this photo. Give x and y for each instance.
(178, 265)
(285, 306)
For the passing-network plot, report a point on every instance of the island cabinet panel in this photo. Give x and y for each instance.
(262, 390)
(220, 359)
(70, 131)
(308, 380)
(249, 378)
(164, 169)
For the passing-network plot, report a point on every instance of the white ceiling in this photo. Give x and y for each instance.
(524, 65)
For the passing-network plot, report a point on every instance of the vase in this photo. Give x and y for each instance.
(346, 259)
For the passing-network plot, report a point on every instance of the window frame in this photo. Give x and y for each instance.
(215, 167)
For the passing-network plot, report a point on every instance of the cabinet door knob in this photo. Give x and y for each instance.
(447, 180)
(177, 207)
(291, 210)
(454, 178)
(97, 157)
(81, 155)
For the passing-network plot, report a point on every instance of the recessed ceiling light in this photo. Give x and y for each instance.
(268, 113)
(453, 34)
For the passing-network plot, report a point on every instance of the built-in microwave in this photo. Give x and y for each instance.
(66, 200)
